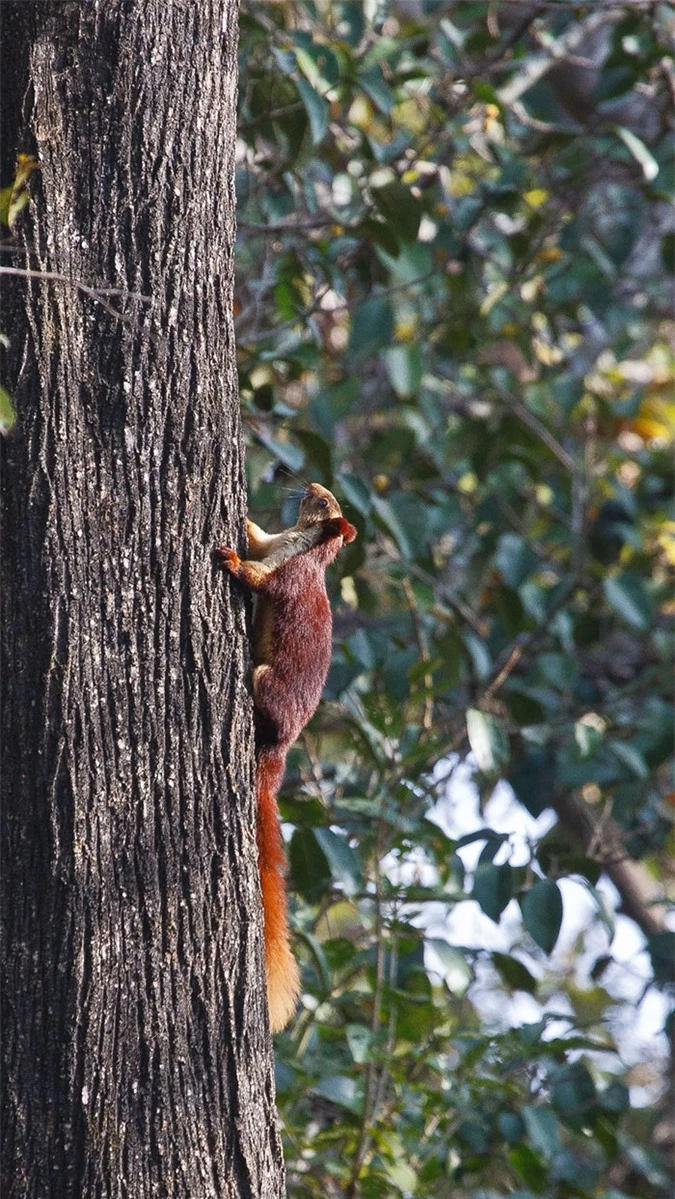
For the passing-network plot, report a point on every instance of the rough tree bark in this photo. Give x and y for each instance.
(137, 1059)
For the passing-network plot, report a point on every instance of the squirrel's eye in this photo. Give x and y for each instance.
(322, 503)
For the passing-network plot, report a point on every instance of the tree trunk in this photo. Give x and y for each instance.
(137, 1053)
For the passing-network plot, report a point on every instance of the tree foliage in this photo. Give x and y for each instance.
(453, 309)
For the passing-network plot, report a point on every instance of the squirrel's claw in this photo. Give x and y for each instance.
(226, 557)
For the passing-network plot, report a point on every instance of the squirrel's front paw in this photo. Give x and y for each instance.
(227, 558)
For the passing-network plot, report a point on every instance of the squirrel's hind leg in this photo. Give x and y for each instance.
(274, 705)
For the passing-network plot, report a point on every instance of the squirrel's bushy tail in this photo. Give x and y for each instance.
(283, 976)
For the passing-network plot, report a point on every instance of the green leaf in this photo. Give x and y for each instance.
(318, 454)
(661, 948)
(542, 1130)
(5, 197)
(627, 595)
(514, 973)
(17, 204)
(404, 367)
(479, 654)
(402, 1176)
(482, 834)
(511, 1127)
(386, 514)
(355, 492)
(379, 232)
(488, 740)
(588, 738)
(631, 757)
(317, 61)
(359, 1040)
(668, 252)
(372, 326)
(13, 199)
(532, 779)
(7, 413)
(577, 1170)
(344, 864)
(514, 558)
(475, 1134)
(400, 208)
(491, 848)
(374, 86)
(285, 59)
(559, 670)
(613, 82)
(529, 1166)
(330, 407)
(615, 1098)
(574, 1095)
(542, 908)
(493, 889)
(341, 1090)
(310, 869)
(317, 110)
(288, 454)
(304, 810)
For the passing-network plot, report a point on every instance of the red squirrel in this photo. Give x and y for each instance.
(292, 646)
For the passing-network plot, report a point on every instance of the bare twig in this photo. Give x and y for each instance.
(271, 115)
(539, 429)
(94, 293)
(374, 1081)
(575, 5)
(500, 678)
(340, 306)
(515, 34)
(539, 65)
(290, 226)
(423, 649)
(565, 128)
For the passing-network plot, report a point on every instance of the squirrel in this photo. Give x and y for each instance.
(292, 646)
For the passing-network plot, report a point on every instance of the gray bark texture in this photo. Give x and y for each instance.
(137, 1056)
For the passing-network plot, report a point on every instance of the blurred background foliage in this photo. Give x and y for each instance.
(454, 309)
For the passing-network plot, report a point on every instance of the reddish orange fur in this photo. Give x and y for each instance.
(283, 978)
(287, 687)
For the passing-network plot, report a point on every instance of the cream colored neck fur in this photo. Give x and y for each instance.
(274, 549)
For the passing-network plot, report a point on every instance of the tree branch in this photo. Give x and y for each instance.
(602, 840)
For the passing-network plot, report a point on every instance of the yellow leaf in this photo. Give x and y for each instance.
(467, 483)
(666, 540)
(361, 113)
(536, 197)
(655, 421)
(493, 297)
(546, 354)
(405, 331)
(5, 197)
(550, 254)
(15, 197)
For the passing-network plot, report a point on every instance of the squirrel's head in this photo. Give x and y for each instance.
(319, 506)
